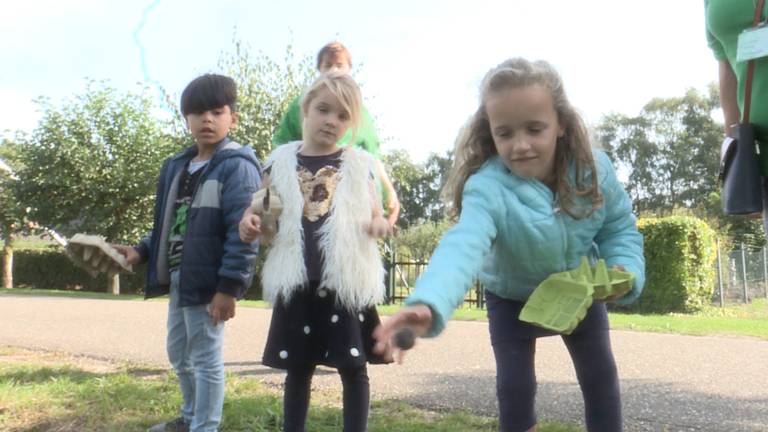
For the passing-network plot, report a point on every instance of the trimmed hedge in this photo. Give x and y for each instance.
(680, 253)
(49, 268)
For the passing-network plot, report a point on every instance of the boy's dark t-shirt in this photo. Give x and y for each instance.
(188, 180)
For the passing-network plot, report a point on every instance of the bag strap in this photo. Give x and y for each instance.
(751, 66)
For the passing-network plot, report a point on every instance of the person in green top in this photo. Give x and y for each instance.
(725, 20)
(334, 57)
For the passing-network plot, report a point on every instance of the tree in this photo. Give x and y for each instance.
(12, 214)
(417, 242)
(265, 89)
(671, 151)
(92, 164)
(418, 185)
(435, 174)
(406, 177)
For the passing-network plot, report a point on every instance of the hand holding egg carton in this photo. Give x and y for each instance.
(561, 301)
(94, 255)
(268, 206)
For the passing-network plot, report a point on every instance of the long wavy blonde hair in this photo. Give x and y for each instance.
(474, 144)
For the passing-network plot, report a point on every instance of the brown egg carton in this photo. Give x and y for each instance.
(94, 255)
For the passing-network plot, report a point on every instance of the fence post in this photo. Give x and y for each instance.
(392, 271)
(113, 284)
(765, 270)
(720, 274)
(744, 272)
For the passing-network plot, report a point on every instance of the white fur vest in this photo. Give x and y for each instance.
(352, 263)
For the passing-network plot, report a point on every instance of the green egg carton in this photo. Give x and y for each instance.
(558, 304)
(605, 282)
(562, 300)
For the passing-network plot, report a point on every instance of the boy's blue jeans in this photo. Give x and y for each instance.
(194, 350)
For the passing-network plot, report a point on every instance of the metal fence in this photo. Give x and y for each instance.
(741, 276)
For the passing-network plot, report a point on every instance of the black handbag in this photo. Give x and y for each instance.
(742, 189)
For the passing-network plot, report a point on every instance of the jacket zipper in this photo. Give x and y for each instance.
(201, 180)
(558, 213)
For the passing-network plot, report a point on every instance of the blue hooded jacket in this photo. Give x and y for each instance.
(214, 259)
(512, 236)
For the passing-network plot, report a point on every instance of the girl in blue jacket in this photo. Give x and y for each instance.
(532, 198)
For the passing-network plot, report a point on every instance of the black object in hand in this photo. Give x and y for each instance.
(404, 339)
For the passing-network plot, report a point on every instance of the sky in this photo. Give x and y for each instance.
(419, 62)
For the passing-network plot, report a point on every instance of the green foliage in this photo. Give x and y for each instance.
(679, 259)
(40, 394)
(418, 185)
(418, 241)
(265, 89)
(92, 164)
(50, 268)
(12, 214)
(671, 150)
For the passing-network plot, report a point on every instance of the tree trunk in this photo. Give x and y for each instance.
(113, 284)
(8, 259)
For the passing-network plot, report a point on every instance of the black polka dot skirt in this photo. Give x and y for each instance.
(313, 330)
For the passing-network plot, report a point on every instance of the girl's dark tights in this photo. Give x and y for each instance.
(298, 384)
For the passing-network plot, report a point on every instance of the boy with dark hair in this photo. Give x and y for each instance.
(194, 252)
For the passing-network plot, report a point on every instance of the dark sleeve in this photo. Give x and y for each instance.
(236, 271)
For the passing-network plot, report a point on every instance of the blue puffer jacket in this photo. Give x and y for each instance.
(512, 236)
(213, 258)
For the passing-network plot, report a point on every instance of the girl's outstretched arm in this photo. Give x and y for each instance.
(459, 256)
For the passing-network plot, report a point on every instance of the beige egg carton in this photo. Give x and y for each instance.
(93, 254)
(268, 206)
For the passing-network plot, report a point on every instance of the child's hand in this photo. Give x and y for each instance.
(129, 252)
(222, 308)
(618, 295)
(379, 227)
(250, 226)
(416, 318)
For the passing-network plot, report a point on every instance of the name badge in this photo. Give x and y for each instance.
(752, 44)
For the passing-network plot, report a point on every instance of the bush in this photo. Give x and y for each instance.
(679, 258)
(49, 268)
(417, 242)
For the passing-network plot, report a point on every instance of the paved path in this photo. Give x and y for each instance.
(669, 382)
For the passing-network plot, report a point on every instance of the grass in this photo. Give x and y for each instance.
(734, 320)
(68, 294)
(44, 392)
(749, 320)
(33, 243)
